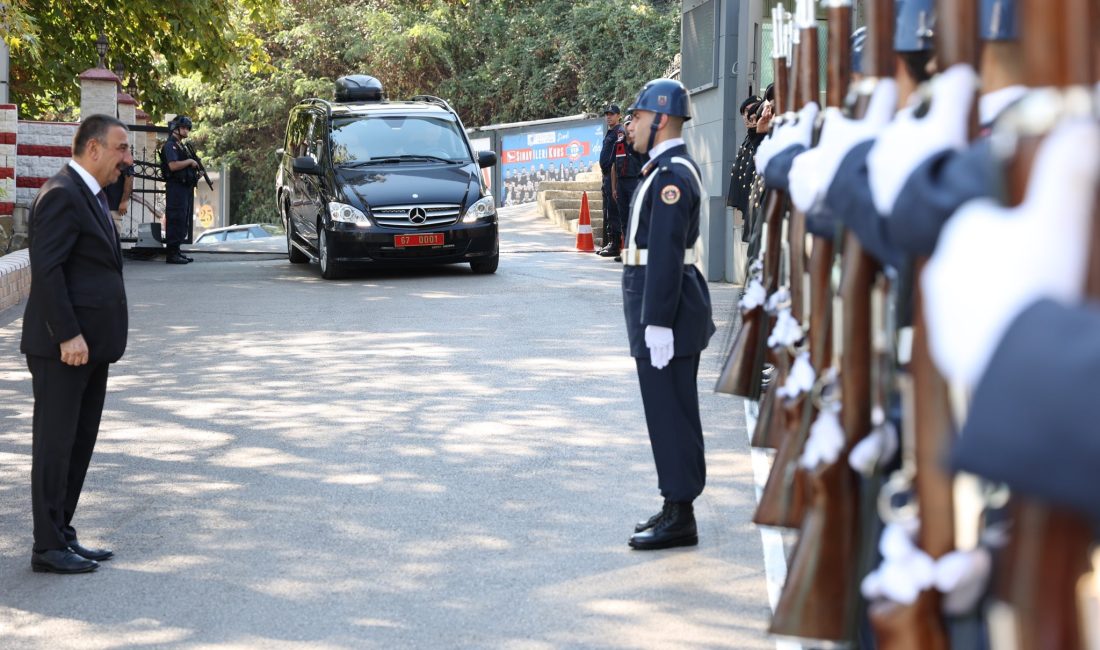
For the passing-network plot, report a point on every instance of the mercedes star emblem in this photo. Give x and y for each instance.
(417, 215)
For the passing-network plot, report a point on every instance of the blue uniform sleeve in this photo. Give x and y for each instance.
(1032, 421)
(779, 167)
(172, 151)
(607, 153)
(673, 199)
(849, 200)
(934, 191)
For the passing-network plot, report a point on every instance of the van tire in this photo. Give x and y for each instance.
(485, 265)
(330, 270)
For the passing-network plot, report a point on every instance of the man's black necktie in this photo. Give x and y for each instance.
(102, 196)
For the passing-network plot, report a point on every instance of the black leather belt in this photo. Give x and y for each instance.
(629, 178)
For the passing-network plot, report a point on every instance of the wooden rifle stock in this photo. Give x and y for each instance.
(782, 503)
(956, 41)
(740, 374)
(1048, 551)
(820, 599)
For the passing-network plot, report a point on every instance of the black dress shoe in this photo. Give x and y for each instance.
(176, 259)
(61, 560)
(652, 521)
(676, 527)
(608, 251)
(97, 554)
(187, 257)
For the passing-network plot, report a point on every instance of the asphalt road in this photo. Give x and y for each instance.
(426, 459)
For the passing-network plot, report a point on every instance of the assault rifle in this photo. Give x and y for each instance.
(190, 149)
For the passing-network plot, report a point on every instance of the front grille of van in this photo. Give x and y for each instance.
(416, 217)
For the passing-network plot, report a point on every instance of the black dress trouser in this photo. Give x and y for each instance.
(179, 204)
(68, 404)
(671, 399)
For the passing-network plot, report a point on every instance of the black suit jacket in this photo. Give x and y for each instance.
(76, 274)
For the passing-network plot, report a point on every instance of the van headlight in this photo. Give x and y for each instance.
(483, 209)
(347, 214)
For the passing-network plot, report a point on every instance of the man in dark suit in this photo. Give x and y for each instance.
(668, 310)
(74, 327)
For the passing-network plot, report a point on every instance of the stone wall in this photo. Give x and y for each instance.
(15, 278)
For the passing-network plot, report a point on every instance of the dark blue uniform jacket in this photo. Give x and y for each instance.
(1032, 421)
(667, 292)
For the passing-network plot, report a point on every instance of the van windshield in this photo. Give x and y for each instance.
(366, 138)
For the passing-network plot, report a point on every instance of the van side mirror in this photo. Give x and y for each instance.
(486, 158)
(306, 165)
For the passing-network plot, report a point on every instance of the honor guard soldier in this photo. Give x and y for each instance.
(615, 136)
(668, 310)
(625, 173)
(181, 176)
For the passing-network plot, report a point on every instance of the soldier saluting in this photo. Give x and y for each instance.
(668, 310)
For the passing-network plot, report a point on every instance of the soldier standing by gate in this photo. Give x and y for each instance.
(180, 176)
(625, 173)
(612, 229)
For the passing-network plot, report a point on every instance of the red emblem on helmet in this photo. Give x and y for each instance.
(662, 100)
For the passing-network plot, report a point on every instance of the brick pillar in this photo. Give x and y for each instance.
(98, 92)
(127, 108)
(9, 126)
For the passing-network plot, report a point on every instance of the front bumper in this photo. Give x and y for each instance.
(462, 242)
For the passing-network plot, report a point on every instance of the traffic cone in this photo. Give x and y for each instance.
(584, 228)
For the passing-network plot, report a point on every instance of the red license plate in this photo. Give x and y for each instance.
(403, 241)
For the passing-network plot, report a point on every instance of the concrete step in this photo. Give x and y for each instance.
(555, 195)
(573, 186)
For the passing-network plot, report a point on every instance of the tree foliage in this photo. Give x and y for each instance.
(239, 65)
(151, 39)
(494, 60)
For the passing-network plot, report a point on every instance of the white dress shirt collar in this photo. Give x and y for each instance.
(89, 180)
(659, 149)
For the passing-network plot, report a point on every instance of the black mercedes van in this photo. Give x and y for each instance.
(364, 180)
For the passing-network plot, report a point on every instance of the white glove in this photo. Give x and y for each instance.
(992, 262)
(813, 171)
(908, 141)
(962, 577)
(825, 442)
(877, 449)
(800, 379)
(659, 341)
(787, 330)
(797, 131)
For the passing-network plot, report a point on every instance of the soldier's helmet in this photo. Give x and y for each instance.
(914, 22)
(998, 20)
(181, 121)
(859, 40)
(667, 96)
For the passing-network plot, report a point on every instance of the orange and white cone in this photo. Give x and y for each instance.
(584, 228)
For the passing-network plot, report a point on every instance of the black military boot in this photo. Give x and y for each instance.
(675, 527)
(652, 521)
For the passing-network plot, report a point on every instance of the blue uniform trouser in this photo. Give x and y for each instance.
(179, 204)
(626, 193)
(671, 399)
(611, 228)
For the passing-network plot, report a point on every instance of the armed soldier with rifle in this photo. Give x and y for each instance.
(182, 170)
